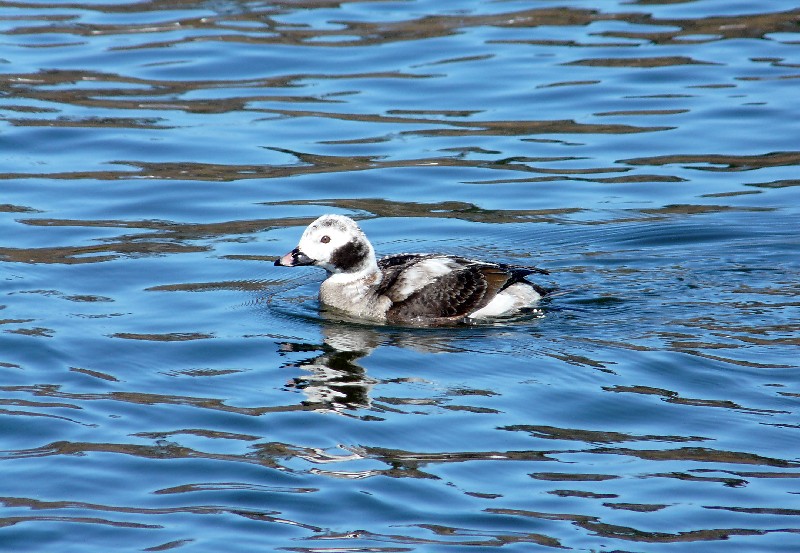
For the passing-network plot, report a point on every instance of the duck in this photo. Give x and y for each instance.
(419, 289)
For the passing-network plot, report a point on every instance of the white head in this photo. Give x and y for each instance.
(335, 243)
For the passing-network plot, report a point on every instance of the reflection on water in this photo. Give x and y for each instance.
(162, 387)
(332, 377)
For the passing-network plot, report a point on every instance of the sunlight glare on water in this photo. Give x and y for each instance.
(164, 386)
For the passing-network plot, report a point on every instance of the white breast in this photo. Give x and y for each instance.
(355, 294)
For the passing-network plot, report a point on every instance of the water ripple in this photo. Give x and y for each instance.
(158, 156)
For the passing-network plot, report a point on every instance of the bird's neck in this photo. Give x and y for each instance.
(356, 293)
(368, 275)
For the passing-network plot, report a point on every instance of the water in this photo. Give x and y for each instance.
(164, 387)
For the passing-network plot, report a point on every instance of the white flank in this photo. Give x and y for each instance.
(510, 300)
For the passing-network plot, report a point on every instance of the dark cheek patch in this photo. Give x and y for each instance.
(350, 256)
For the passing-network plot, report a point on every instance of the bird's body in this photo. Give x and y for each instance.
(427, 289)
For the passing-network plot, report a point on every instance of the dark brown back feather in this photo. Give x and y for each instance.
(392, 268)
(452, 296)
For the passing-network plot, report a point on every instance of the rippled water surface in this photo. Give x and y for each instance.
(164, 387)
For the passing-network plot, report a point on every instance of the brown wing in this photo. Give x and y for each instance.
(392, 267)
(452, 296)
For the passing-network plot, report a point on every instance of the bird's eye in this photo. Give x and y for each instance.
(325, 239)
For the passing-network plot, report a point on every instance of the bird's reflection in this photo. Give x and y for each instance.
(334, 379)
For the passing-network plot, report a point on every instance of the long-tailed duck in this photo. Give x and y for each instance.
(419, 289)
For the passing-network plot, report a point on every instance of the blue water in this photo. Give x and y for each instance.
(164, 387)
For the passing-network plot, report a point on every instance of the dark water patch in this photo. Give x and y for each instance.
(701, 455)
(570, 477)
(572, 434)
(722, 163)
(775, 184)
(626, 533)
(385, 208)
(8, 208)
(673, 397)
(32, 331)
(88, 122)
(253, 285)
(527, 128)
(95, 374)
(92, 254)
(169, 545)
(636, 507)
(58, 294)
(170, 337)
(142, 399)
(640, 62)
